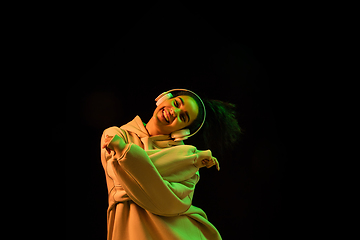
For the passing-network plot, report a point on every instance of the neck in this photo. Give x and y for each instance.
(151, 127)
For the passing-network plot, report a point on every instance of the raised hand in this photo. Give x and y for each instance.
(205, 159)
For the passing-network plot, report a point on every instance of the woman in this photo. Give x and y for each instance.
(151, 175)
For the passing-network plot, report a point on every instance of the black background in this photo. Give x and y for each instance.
(122, 57)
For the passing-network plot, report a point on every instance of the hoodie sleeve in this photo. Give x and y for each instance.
(175, 164)
(141, 180)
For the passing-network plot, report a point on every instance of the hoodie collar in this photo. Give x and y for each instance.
(136, 126)
(150, 142)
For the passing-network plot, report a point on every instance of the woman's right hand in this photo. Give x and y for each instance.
(106, 144)
(113, 143)
(205, 159)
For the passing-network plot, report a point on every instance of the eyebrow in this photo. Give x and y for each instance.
(187, 114)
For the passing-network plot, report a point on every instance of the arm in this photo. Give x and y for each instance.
(178, 163)
(132, 168)
(182, 154)
(142, 182)
(134, 171)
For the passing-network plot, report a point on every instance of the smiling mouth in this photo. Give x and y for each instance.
(166, 117)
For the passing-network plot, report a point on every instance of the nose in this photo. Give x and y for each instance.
(176, 112)
(173, 113)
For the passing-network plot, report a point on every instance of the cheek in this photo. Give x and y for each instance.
(177, 125)
(156, 111)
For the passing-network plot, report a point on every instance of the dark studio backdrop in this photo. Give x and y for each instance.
(123, 59)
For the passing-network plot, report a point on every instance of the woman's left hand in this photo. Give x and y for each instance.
(205, 159)
(212, 162)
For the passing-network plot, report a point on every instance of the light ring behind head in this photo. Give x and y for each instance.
(167, 95)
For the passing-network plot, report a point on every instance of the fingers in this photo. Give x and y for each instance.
(108, 150)
(205, 162)
(105, 145)
(106, 141)
(209, 164)
(212, 162)
(205, 159)
(217, 164)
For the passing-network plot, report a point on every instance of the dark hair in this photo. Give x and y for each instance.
(221, 129)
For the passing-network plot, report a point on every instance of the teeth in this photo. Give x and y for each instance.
(166, 117)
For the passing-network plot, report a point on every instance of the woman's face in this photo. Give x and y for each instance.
(174, 114)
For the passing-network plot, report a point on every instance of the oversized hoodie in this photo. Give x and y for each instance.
(151, 184)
